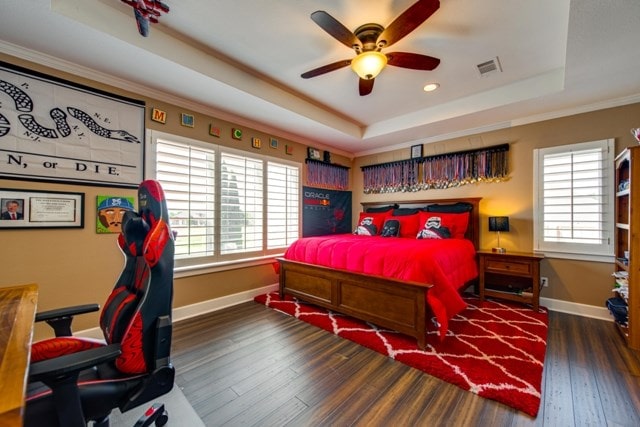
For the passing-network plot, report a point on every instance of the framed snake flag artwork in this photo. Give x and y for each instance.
(55, 130)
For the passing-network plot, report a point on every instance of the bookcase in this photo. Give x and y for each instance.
(627, 241)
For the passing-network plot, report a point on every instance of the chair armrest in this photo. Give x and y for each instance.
(60, 318)
(66, 312)
(71, 363)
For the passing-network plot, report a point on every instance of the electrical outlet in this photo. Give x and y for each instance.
(544, 281)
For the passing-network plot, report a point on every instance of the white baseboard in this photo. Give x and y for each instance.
(198, 309)
(189, 311)
(577, 309)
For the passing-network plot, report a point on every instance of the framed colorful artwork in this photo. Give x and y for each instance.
(110, 210)
(236, 133)
(273, 143)
(256, 142)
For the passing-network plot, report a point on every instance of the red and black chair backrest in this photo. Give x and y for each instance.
(144, 291)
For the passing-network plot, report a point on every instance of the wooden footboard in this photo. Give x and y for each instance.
(388, 303)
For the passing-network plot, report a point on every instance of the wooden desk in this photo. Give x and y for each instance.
(17, 313)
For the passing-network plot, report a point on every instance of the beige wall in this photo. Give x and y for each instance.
(78, 266)
(575, 281)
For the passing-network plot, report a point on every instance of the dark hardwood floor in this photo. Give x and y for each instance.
(251, 365)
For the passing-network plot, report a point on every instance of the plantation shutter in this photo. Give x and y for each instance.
(574, 209)
(187, 174)
(283, 205)
(241, 210)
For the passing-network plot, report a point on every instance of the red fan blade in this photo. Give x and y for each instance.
(326, 68)
(408, 21)
(365, 86)
(335, 28)
(414, 61)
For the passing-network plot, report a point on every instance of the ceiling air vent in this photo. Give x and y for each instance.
(489, 67)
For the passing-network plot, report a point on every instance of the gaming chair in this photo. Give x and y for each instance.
(75, 380)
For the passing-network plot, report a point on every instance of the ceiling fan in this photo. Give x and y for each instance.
(369, 39)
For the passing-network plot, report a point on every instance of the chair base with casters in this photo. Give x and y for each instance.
(75, 381)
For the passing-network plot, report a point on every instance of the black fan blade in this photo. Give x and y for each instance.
(326, 68)
(415, 61)
(335, 28)
(408, 21)
(365, 86)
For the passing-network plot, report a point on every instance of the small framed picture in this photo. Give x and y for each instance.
(214, 130)
(416, 151)
(187, 120)
(326, 156)
(288, 149)
(313, 153)
(273, 143)
(236, 133)
(256, 142)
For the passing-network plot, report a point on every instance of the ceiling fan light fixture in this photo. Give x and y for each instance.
(368, 65)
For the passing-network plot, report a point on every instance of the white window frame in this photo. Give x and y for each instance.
(219, 262)
(567, 250)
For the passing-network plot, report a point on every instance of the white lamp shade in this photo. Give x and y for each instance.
(368, 65)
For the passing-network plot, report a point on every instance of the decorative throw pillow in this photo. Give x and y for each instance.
(370, 223)
(433, 228)
(391, 228)
(441, 225)
(409, 225)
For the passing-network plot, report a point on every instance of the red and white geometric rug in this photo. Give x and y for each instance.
(495, 350)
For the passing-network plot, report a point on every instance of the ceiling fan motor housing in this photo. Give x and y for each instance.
(368, 35)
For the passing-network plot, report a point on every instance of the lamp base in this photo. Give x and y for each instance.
(499, 250)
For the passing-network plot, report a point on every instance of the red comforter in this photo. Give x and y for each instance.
(446, 264)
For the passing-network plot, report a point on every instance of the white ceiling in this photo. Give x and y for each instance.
(241, 60)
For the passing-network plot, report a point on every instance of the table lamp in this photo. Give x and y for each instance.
(499, 223)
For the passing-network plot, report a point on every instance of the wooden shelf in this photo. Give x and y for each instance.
(627, 238)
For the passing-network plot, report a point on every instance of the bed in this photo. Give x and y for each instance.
(404, 303)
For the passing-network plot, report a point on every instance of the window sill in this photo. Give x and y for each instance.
(578, 257)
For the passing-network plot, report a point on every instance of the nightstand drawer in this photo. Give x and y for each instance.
(499, 266)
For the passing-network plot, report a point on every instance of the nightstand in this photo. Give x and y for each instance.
(513, 276)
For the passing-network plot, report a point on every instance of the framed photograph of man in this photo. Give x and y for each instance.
(12, 209)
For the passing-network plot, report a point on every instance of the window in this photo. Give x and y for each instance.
(225, 205)
(573, 201)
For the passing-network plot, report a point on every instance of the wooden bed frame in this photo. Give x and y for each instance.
(389, 303)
